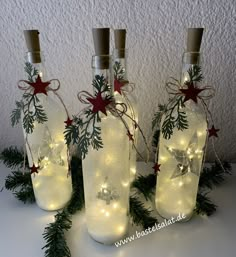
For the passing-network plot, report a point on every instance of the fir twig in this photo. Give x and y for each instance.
(204, 205)
(25, 194)
(175, 117)
(12, 157)
(21, 185)
(140, 215)
(145, 185)
(17, 179)
(119, 71)
(31, 71)
(214, 175)
(54, 235)
(16, 113)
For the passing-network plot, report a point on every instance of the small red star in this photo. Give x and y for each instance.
(130, 136)
(39, 86)
(68, 122)
(99, 104)
(212, 132)
(34, 169)
(191, 92)
(118, 84)
(156, 167)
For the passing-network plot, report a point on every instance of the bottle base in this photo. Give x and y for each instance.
(180, 218)
(106, 241)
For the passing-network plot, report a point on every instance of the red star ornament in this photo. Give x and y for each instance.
(39, 86)
(68, 122)
(130, 136)
(118, 84)
(191, 92)
(156, 167)
(99, 104)
(212, 132)
(34, 169)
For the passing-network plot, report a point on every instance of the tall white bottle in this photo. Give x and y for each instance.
(46, 149)
(106, 171)
(181, 157)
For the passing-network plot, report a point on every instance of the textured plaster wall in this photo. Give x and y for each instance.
(156, 39)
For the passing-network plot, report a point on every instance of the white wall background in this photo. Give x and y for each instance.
(156, 39)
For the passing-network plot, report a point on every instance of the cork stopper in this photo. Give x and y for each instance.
(120, 37)
(194, 39)
(33, 45)
(101, 39)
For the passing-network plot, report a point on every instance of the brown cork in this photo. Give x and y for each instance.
(120, 37)
(194, 39)
(101, 39)
(33, 45)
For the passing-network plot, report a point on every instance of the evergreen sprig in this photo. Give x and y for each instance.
(13, 157)
(16, 113)
(214, 175)
(54, 235)
(195, 74)
(29, 106)
(204, 205)
(25, 194)
(140, 215)
(31, 71)
(85, 131)
(175, 117)
(21, 185)
(145, 185)
(119, 71)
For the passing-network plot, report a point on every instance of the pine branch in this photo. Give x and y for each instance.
(145, 185)
(25, 194)
(119, 71)
(204, 205)
(12, 157)
(214, 175)
(31, 102)
(16, 113)
(31, 71)
(21, 185)
(18, 179)
(175, 117)
(195, 74)
(71, 132)
(140, 215)
(54, 235)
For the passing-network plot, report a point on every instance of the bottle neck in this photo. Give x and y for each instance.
(36, 59)
(190, 59)
(120, 64)
(101, 65)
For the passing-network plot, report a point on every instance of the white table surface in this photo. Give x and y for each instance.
(21, 228)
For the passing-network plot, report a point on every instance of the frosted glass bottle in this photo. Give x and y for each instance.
(106, 175)
(181, 158)
(119, 60)
(46, 148)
